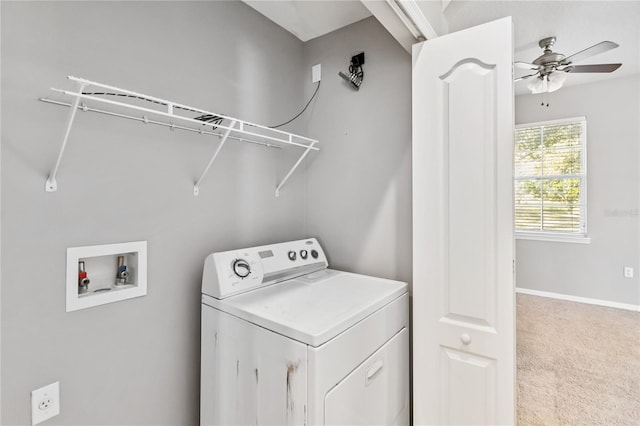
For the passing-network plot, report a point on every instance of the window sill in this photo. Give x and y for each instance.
(559, 238)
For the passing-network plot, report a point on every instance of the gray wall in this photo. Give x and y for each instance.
(136, 361)
(359, 186)
(613, 181)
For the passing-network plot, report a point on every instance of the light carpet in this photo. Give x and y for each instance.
(578, 364)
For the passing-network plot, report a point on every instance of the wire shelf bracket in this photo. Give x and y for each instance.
(205, 122)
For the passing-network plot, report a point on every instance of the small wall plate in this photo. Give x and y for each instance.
(45, 403)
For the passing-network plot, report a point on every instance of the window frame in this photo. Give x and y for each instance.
(559, 236)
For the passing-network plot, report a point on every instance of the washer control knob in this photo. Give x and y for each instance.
(303, 254)
(314, 254)
(292, 255)
(241, 268)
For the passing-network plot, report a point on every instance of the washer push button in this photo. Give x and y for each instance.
(292, 255)
(303, 254)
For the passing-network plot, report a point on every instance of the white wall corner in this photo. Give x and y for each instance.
(391, 22)
(426, 16)
(401, 18)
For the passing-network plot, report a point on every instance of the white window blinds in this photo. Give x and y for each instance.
(550, 177)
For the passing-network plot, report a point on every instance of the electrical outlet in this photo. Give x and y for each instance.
(45, 403)
(628, 272)
(315, 73)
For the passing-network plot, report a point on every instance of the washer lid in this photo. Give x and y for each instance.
(313, 308)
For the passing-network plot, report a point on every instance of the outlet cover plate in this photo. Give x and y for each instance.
(316, 73)
(628, 272)
(45, 403)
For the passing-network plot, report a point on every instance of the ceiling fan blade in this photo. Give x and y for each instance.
(524, 77)
(593, 68)
(526, 66)
(596, 49)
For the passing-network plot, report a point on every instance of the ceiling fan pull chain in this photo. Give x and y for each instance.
(545, 99)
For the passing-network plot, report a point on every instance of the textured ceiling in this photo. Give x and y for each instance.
(308, 19)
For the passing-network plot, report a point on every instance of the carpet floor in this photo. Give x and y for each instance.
(577, 364)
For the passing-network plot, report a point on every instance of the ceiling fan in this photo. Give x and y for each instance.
(551, 67)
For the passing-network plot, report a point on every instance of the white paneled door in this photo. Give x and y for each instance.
(463, 250)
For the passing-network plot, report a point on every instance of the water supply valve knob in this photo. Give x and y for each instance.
(83, 280)
(122, 274)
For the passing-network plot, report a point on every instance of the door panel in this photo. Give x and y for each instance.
(470, 87)
(470, 396)
(463, 290)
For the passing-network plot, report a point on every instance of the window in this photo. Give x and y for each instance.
(550, 180)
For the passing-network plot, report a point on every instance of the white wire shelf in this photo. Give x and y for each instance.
(167, 114)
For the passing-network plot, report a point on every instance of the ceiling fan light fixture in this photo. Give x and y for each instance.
(548, 83)
(537, 85)
(551, 68)
(555, 81)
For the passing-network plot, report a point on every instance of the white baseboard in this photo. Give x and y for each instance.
(578, 299)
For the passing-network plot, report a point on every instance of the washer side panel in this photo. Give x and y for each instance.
(250, 375)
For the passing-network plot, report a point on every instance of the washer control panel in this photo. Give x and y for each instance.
(237, 271)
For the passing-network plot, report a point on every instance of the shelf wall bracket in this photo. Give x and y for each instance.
(196, 187)
(295, 166)
(52, 185)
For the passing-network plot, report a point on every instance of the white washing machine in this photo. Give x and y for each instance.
(287, 341)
